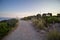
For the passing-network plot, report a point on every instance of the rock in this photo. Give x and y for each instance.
(43, 31)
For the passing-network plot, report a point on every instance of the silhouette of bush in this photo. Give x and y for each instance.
(38, 16)
(58, 14)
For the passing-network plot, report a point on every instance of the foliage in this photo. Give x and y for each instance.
(53, 35)
(12, 22)
(6, 26)
(58, 14)
(38, 16)
(52, 19)
(3, 29)
(28, 17)
(39, 23)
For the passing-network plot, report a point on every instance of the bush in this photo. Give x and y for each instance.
(52, 19)
(3, 29)
(53, 35)
(35, 21)
(6, 26)
(39, 23)
(12, 22)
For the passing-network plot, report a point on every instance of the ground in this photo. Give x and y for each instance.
(25, 31)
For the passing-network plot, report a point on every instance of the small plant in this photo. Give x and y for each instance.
(53, 35)
(39, 23)
(35, 21)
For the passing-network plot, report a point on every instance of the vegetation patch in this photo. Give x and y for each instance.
(6, 26)
(53, 35)
(40, 24)
(44, 22)
(52, 19)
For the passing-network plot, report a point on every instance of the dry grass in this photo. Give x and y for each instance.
(53, 35)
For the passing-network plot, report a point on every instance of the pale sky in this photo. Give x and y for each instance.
(21, 8)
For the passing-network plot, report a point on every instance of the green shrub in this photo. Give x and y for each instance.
(52, 19)
(6, 26)
(3, 29)
(53, 35)
(12, 22)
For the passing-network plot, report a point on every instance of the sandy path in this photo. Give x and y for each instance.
(24, 31)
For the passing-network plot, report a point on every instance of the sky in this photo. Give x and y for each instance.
(22, 8)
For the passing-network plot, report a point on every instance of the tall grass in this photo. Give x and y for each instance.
(39, 23)
(53, 35)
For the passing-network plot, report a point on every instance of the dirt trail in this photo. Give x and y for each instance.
(24, 31)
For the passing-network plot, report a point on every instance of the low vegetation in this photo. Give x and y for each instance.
(40, 24)
(28, 18)
(52, 19)
(53, 35)
(6, 26)
(43, 22)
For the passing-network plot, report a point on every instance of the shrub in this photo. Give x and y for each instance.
(12, 22)
(53, 35)
(6, 26)
(3, 29)
(52, 19)
(35, 21)
(39, 23)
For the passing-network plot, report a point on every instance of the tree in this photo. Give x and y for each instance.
(38, 15)
(43, 15)
(58, 14)
(50, 14)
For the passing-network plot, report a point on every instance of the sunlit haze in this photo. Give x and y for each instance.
(21, 8)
